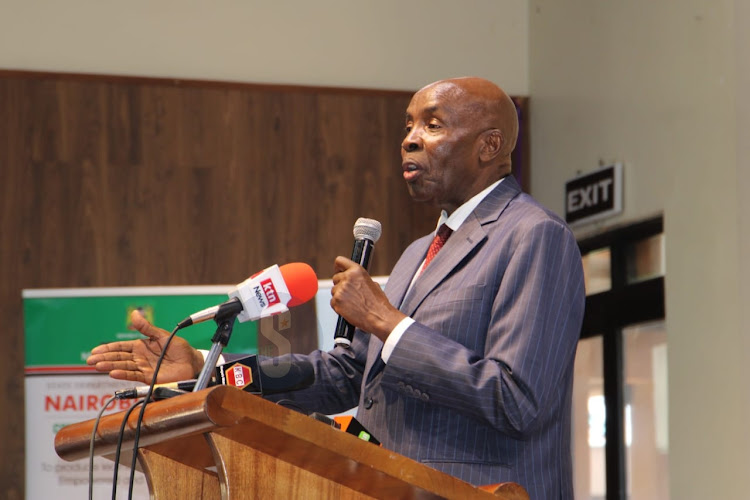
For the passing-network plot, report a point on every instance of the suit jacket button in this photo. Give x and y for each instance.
(368, 403)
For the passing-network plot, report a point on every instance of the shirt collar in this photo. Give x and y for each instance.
(459, 215)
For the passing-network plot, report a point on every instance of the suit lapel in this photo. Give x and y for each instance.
(398, 283)
(456, 249)
(461, 244)
(402, 274)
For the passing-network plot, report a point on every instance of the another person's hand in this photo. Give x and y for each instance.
(361, 301)
(136, 359)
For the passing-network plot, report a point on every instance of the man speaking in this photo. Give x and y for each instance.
(465, 361)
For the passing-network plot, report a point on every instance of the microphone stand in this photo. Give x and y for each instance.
(225, 324)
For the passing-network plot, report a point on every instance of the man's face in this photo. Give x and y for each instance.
(440, 153)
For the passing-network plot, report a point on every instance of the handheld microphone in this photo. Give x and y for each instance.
(366, 233)
(272, 291)
(246, 373)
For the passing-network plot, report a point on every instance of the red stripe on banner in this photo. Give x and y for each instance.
(50, 370)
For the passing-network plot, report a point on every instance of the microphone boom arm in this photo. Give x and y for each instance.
(225, 324)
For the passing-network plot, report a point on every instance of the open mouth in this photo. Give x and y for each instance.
(411, 171)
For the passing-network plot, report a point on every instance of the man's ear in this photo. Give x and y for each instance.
(492, 145)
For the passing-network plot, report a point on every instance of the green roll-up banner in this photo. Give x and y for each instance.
(61, 327)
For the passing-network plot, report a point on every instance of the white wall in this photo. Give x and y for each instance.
(352, 43)
(657, 86)
(742, 136)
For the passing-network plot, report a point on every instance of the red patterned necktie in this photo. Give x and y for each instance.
(438, 241)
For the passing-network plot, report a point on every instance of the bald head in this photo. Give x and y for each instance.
(459, 137)
(486, 105)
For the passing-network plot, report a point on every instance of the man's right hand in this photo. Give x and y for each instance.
(136, 359)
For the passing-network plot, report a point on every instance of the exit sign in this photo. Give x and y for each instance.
(594, 195)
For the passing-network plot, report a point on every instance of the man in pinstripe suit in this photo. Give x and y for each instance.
(464, 364)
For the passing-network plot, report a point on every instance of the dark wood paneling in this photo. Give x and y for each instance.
(110, 181)
(117, 181)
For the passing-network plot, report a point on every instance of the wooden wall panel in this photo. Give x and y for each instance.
(115, 181)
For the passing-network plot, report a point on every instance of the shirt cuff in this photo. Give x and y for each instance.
(204, 353)
(394, 337)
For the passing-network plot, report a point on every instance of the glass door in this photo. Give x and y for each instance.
(620, 446)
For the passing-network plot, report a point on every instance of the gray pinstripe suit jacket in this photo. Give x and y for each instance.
(480, 385)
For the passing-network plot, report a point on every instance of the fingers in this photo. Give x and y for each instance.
(118, 365)
(341, 264)
(348, 270)
(111, 347)
(128, 375)
(142, 325)
(112, 361)
(106, 366)
(116, 356)
(131, 360)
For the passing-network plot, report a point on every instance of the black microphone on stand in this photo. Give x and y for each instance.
(366, 233)
(256, 377)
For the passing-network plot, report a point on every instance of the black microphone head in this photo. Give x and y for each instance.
(269, 376)
(369, 229)
(283, 375)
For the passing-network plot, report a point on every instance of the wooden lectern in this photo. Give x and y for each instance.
(223, 443)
